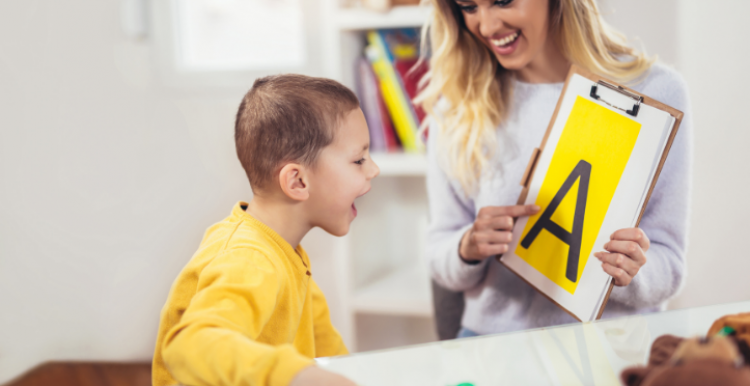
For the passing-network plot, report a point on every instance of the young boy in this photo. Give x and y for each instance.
(245, 310)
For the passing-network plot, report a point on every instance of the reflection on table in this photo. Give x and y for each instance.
(574, 354)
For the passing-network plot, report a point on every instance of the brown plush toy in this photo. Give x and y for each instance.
(717, 360)
(740, 331)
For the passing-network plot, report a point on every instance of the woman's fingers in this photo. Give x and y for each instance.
(621, 277)
(486, 250)
(626, 254)
(490, 234)
(494, 223)
(490, 243)
(483, 244)
(502, 217)
(493, 237)
(619, 260)
(500, 223)
(633, 234)
(511, 211)
(630, 249)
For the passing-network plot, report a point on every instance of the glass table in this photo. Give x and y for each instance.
(575, 354)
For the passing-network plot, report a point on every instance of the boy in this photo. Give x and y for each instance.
(245, 310)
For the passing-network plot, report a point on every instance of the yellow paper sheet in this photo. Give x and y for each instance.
(595, 146)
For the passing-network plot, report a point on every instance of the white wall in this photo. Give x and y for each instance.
(714, 58)
(108, 179)
(649, 25)
(705, 42)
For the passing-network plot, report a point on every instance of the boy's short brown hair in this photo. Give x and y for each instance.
(287, 118)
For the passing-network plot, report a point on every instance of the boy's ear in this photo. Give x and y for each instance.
(293, 179)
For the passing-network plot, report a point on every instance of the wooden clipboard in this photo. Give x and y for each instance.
(639, 99)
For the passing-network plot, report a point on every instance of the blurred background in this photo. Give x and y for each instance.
(117, 152)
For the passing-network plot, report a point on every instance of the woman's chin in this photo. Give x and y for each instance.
(512, 64)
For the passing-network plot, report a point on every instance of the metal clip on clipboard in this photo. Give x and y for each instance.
(638, 99)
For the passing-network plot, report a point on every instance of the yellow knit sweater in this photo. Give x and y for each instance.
(244, 311)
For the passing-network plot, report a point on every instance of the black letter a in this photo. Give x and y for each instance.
(573, 239)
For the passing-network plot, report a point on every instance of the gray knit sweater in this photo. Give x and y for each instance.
(496, 299)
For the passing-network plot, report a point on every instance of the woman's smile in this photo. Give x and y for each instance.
(505, 44)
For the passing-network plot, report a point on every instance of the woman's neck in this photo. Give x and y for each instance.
(549, 66)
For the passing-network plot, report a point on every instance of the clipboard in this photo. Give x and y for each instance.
(588, 183)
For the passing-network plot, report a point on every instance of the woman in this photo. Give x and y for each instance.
(497, 71)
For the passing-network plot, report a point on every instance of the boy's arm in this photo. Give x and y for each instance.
(328, 341)
(214, 343)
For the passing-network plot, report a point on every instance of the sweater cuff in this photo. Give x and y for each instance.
(469, 262)
(462, 266)
(458, 248)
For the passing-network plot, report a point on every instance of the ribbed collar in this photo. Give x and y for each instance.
(537, 86)
(303, 262)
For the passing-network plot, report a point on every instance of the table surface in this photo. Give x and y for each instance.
(575, 354)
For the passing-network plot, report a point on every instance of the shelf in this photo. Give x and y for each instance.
(404, 292)
(353, 19)
(401, 164)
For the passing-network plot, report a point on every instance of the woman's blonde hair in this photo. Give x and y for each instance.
(467, 92)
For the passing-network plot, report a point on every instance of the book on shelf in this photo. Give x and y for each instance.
(394, 58)
(411, 71)
(382, 137)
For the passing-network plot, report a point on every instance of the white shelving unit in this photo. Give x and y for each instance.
(405, 291)
(400, 164)
(381, 297)
(358, 19)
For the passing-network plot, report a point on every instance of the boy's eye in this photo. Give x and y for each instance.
(359, 162)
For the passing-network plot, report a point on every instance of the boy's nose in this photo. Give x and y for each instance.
(375, 171)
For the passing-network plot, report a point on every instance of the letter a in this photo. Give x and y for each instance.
(573, 239)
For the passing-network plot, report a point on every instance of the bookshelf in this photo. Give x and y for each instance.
(379, 292)
(396, 294)
(358, 19)
(400, 164)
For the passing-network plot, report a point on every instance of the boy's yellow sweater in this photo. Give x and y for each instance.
(244, 311)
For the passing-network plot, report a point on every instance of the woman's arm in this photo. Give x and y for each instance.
(666, 219)
(451, 215)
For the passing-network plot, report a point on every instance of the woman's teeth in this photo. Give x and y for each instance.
(506, 40)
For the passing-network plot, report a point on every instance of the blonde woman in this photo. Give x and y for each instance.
(497, 70)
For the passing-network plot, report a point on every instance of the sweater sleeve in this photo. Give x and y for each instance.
(215, 341)
(451, 215)
(666, 218)
(328, 341)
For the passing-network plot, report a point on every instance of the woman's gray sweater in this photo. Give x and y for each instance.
(496, 299)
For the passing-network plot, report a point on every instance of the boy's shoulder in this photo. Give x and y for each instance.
(235, 256)
(236, 236)
(238, 230)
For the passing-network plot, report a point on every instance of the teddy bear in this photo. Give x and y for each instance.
(721, 358)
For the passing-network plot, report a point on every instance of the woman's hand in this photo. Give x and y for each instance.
(492, 231)
(626, 254)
